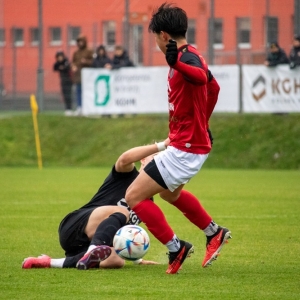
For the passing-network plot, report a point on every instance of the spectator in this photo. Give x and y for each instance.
(62, 66)
(276, 56)
(295, 53)
(102, 60)
(121, 58)
(82, 58)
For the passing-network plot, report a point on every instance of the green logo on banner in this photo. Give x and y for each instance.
(98, 99)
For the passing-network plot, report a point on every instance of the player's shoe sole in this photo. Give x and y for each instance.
(94, 257)
(177, 259)
(215, 245)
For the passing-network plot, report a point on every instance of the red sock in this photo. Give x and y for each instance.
(154, 219)
(189, 205)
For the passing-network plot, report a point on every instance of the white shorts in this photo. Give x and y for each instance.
(177, 167)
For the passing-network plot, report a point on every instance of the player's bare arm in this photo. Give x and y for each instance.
(125, 162)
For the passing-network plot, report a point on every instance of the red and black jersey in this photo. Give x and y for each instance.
(187, 96)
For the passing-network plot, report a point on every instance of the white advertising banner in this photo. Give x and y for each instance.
(124, 91)
(228, 79)
(144, 90)
(271, 89)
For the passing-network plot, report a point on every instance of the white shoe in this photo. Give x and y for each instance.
(78, 111)
(68, 113)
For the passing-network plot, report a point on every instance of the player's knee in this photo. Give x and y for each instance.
(123, 217)
(169, 198)
(130, 198)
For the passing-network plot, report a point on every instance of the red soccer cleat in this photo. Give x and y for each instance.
(42, 261)
(214, 245)
(176, 259)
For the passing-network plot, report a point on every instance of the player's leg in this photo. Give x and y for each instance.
(90, 245)
(101, 213)
(101, 228)
(191, 208)
(148, 183)
(45, 261)
(189, 205)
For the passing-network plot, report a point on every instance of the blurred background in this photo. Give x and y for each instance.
(32, 31)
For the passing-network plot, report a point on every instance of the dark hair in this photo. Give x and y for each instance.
(274, 44)
(59, 53)
(170, 19)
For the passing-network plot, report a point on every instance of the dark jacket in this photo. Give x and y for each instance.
(277, 58)
(82, 53)
(295, 57)
(121, 61)
(101, 61)
(64, 69)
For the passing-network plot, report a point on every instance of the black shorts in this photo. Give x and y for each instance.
(152, 170)
(72, 237)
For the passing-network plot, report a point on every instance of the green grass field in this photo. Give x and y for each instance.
(241, 141)
(261, 261)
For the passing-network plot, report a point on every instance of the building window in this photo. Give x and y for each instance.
(271, 29)
(34, 36)
(191, 32)
(244, 32)
(18, 37)
(2, 37)
(109, 34)
(74, 32)
(55, 36)
(218, 34)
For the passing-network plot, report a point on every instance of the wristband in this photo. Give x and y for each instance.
(138, 261)
(161, 146)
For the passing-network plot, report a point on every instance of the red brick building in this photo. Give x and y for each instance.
(102, 21)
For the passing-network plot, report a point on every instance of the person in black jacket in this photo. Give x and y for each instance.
(62, 66)
(121, 58)
(276, 56)
(101, 60)
(295, 53)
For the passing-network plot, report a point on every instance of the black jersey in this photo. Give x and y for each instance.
(112, 192)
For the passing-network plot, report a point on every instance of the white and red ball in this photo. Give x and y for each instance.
(131, 242)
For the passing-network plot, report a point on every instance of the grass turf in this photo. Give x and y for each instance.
(249, 141)
(260, 262)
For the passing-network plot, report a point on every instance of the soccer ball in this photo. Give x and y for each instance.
(131, 242)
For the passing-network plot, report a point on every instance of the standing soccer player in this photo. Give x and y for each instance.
(189, 144)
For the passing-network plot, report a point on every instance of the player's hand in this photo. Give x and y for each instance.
(148, 262)
(171, 53)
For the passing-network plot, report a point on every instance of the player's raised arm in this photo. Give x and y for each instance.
(189, 64)
(125, 162)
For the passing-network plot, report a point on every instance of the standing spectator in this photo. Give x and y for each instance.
(295, 53)
(276, 56)
(62, 66)
(102, 60)
(121, 58)
(82, 58)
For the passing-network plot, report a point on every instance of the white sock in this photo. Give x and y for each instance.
(174, 244)
(57, 262)
(91, 247)
(211, 229)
